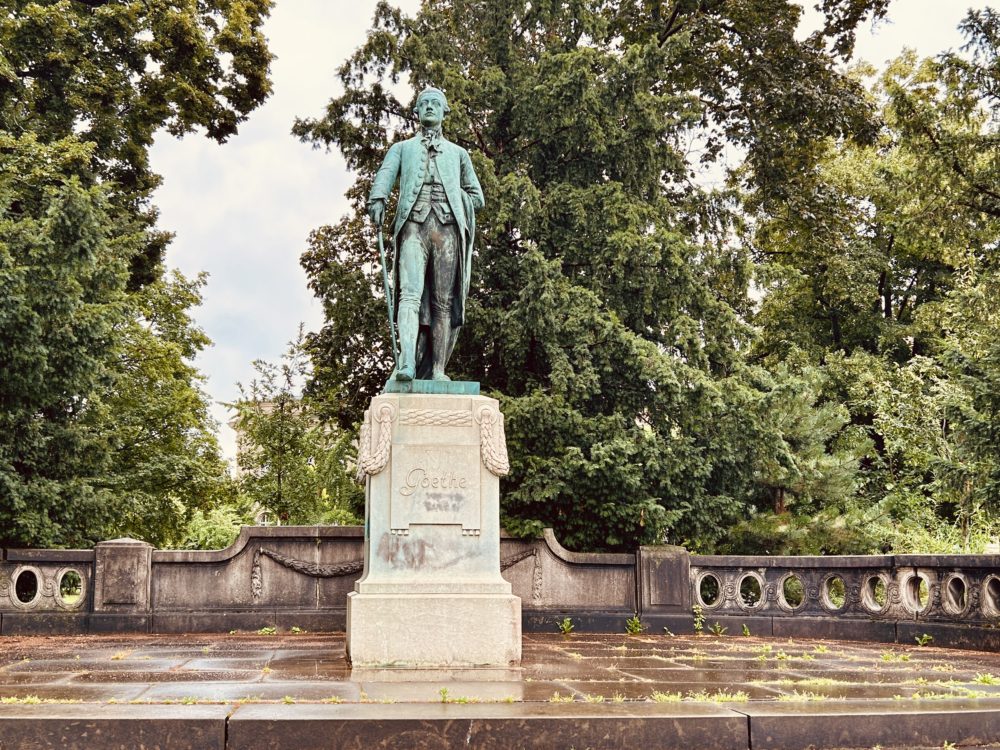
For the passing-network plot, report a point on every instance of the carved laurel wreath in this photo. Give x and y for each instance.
(373, 461)
(492, 440)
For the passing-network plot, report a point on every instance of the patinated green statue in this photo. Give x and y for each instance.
(435, 223)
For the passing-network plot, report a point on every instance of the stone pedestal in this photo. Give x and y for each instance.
(431, 594)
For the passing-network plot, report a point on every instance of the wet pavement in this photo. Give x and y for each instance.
(581, 668)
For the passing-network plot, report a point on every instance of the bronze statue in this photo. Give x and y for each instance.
(433, 232)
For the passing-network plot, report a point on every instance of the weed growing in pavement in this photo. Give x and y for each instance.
(746, 630)
(795, 696)
(718, 629)
(699, 619)
(268, 630)
(892, 656)
(987, 679)
(657, 697)
(722, 696)
(566, 625)
(923, 640)
(633, 625)
(556, 698)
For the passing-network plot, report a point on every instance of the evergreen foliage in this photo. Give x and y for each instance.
(609, 299)
(804, 359)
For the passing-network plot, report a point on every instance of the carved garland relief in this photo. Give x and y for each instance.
(316, 570)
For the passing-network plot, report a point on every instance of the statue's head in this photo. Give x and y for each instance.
(432, 106)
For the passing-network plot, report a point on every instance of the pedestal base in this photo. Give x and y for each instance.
(438, 630)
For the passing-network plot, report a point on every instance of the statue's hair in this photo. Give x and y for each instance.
(432, 91)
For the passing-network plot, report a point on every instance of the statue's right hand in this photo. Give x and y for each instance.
(376, 210)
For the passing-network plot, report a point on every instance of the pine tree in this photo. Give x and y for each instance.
(609, 298)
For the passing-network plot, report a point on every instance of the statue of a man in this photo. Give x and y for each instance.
(435, 223)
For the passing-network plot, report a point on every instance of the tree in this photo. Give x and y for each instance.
(164, 456)
(290, 463)
(608, 297)
(875, 273)
(114, 73)
(63, 265)
(101, 415)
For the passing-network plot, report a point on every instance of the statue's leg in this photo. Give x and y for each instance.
(444, 266)
(412, 264)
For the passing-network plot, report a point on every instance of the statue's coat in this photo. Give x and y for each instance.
(407, 161)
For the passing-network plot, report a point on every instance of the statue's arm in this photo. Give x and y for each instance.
(470, 183)
(386, 176)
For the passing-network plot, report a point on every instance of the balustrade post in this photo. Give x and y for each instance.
(122, 586)
(664, 583)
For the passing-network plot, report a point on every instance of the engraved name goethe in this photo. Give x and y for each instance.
(435, 485)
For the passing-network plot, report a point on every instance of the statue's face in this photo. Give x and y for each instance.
(430, 110)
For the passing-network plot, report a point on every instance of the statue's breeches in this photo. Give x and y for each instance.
(428, 258)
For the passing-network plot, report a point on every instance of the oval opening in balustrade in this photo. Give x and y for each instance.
(26, 586)
(991, 596)
(874, 595)
(793, 593)
(751, 590)
(955, 594)
(834, 593)
(70, 587)
(916, 593)
(708, 590)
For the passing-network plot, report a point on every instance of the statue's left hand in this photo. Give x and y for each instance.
(376, 210)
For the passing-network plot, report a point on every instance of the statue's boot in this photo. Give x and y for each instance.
(408, 328)
(440, 340)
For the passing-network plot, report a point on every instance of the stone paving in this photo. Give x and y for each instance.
(249, 691)
(580, 668)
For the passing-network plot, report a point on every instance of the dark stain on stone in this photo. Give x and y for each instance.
(401, 552)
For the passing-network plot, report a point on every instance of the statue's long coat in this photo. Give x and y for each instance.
(408, 161)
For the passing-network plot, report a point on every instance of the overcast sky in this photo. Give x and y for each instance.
(243, 211)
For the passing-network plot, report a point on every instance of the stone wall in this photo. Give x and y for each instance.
(283, 577)
(286, 577)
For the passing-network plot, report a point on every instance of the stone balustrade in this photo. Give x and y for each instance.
(876, 597)
(299, 576)
(900, 587)
(35, 584)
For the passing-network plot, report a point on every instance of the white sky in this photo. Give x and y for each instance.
(243, 211)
